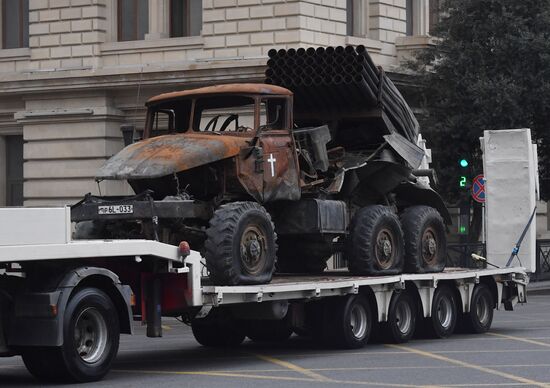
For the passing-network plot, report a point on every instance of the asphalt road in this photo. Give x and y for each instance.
(516, 352)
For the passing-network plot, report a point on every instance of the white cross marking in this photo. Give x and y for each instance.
(272, 161)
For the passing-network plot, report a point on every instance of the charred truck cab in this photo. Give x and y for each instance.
(230, 170)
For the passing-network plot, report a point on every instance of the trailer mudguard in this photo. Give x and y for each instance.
(39, 316)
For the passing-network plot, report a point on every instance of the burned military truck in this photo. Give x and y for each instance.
(279, 176)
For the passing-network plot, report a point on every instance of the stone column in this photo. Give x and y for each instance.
(67, 138)
(159, 22)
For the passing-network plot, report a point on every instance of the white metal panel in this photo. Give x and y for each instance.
(510, 185)
(31, 226)
(89, 249)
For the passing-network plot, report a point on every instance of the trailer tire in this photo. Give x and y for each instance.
(480, 317)
(91, 334)
(348, 321)
(401, 323)
(425, 239)
(444, 313)
(268, 330)
(214, 333)
(241, 245)
(375, 245)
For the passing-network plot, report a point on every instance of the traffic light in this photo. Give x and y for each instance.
(463, 179)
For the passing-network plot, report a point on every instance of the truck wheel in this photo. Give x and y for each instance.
(268, 330)
(480, 317)
(401, 322)
(241, 245)
(375, 245)
(91, 335)
(425, 239)
(444, 313)
(213, 333)
(348, 322)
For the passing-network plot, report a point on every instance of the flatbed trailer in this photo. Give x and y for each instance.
(64, 303)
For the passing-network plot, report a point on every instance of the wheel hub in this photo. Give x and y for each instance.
(384, 248)
(90, 335)
(429, 246)
(252, 248)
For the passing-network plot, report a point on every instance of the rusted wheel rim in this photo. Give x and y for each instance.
(430, 246)
(385, 249)
(253, 249)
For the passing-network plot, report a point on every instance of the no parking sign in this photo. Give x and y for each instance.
(478, 189)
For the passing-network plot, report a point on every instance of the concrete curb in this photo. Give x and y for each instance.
(539, 286)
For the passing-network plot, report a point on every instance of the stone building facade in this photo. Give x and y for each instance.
(73, 71)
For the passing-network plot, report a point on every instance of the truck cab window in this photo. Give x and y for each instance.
(273, 113)
(224, 114)
(163, 122)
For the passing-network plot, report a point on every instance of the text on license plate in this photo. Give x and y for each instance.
(115, 209)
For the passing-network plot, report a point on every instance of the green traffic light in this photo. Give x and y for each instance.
(463, 163)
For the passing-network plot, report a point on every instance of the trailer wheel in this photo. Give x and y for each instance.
(401, 322)
(348, 322)
(425, 239)
(480, 317)
(268, 330)
(241, 244)
(91, 335)
(215, 333)
(375, 245)
(443, 319)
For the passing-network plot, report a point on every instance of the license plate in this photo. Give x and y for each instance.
(115, 209)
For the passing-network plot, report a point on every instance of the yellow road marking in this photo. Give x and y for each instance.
(166, 327)
(509, 376)
(254, 376)
(216, 374)
(526, 340)
(293, 367)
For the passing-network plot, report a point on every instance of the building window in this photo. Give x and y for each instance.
(185, 18)
(133, 19)
(15, 23)
(14, 170)
(357, 17)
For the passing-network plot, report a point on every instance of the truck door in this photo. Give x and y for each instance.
(280, 172)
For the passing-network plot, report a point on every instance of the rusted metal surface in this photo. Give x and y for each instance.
(165, 155)
(269, 171)
(224, 89)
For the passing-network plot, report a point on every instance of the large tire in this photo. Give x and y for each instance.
(425, 240)
(401, 323)
(444, 313)
(348, 321)
(91, 334)
(268, 330)
(480, 317)
(375, 245)
(217, 331)
(241, 245)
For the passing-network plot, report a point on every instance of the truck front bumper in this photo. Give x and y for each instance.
(136, 208)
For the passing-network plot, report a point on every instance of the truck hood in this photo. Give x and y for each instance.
(165, 155)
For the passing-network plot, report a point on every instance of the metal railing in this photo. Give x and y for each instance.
(543, 261)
